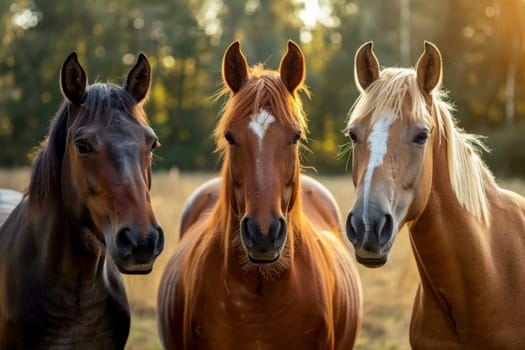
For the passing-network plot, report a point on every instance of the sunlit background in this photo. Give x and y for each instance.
(482, 44)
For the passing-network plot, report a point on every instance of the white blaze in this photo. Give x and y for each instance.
(377, 144)
(259, 124)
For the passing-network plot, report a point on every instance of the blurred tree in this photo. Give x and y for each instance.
(331, 53)
(180, 103)
(482, 42)
(107, 36)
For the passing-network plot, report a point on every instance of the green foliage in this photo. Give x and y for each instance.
(506, 158)
(185, 41)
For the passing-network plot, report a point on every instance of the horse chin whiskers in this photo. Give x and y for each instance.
(270, 271)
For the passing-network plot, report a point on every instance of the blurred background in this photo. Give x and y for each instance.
(482, 43)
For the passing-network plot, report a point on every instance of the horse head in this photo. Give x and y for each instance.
(392, 132)
(259, 133)
(106, 167)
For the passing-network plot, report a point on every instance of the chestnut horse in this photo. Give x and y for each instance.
(260, 265)
(412, 165)
(86, 215)
(9, 199)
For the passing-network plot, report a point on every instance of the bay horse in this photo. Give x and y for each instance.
(411, 164)
(259, 264)
(86, 216)
(9, 199)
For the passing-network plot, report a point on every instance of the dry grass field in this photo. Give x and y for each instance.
(388, 292)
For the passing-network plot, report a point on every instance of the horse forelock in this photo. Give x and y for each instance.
(263, 90)
(398, 86)
(394, 88)
(102, 99)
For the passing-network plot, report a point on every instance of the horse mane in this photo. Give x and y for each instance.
(263, 90)
(467, 171)
(101, 99)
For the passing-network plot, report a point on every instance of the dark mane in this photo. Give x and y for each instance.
(101, 99)
(45, 173)
(99, 106)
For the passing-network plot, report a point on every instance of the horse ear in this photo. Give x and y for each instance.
(139, 79)
(73, 79)
(366, 66)
(234, 67)
(292, 67)
(429, 68)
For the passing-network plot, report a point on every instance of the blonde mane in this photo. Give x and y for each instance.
(468, 174)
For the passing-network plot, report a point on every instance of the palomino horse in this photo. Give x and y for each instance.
(9, 199)
(86, 215)
(260, 266)
(412, 165)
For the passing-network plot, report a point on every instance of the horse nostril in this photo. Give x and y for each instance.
(273, 229)
(384, 230)
(253, 237)
(129, 242)
(159, 246)
(351, 232)
(245, 233)
(125, 241)
(280, 237)
(144, 252)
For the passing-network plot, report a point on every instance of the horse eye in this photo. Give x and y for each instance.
(352, 136)
(229, 138)
(83, 148)
(296, 138)
(155, 145)
(421, 138)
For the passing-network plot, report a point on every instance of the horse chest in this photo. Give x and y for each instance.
(60, 318)
(272, 320)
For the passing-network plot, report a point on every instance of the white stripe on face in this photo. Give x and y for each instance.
(260, 123)
(377, 144)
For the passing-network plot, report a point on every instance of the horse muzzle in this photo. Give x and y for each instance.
(372, 240)
(135, 252)
(263, 247)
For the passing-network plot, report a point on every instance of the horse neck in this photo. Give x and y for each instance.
(61, 242)
(450, 244)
